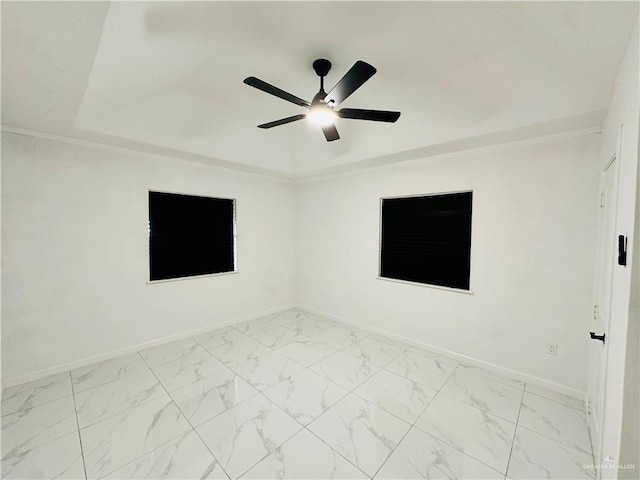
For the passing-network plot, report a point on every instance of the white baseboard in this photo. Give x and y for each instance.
(525, 377)
(65, 367)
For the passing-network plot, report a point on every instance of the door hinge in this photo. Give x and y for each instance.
(595, 312)
(602, 199)
(622, 250)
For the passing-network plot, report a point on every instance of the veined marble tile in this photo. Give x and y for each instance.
(307, 351)
(305, 395)
(312, 324)
(288, 318)
(169, 352)
(345, 370)
(555, 421)
(213, 395)
(389, 340)
(107, 371)
(252, 327)
(430, 354)
(97, 403)
(242, 436)
(556, 397)
(422, 369)
(340, 336)
(470, 430)
(535, 456)
(486, 394)
(26, 429)
(483, 372)
(422, 456)
(60, 458)
(395, 394)
(375, 351)
(304, 457)
(361, 432)
(22, 397)
(236, 350)
(183, 457)
(278, 336)
(265, 367)
(116, 441)
(218, 337)
(181, 373)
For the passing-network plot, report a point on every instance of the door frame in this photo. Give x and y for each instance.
(596, 428)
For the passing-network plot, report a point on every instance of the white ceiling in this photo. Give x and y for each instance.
(166, 77)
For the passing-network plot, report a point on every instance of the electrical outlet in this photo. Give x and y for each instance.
(552, 349)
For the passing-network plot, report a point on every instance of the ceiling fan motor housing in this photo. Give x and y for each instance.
(322, 67)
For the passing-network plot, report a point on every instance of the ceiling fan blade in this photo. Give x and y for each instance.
(267, 87)
(330, 132)
(373, 115)
(352, 80)
(282, 121)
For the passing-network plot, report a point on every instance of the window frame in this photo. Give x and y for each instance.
(420, 284)
(206, 275)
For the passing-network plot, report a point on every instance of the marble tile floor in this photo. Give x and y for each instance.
(291, 395)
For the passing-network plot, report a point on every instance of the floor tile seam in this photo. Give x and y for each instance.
(21, 385)
(462, 451)
(382, 407)
(333, 449)
(315, 361)
(243, 401)
(184, 433)
(199, 424)
(275, 325)
(198, 380)
(493, 380)
(28, 409)
(515, 432)
(273, 450)
(107, 383)
(119, 412)
(579, 409)
(348, 392)
(487, 411)
(413, 380)
(572, 446)
(75, 409)
(578, 413)
(113, 380)
(103, 475)
(235, 327)
(458, 449)
(356, 357)
(302, 427)
(175, 359)
(413, 424)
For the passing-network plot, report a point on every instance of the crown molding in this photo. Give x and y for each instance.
(580, 125)
(161, 152)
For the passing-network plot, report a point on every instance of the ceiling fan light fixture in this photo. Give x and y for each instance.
(321, 115)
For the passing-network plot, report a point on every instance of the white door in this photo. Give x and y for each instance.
(600, 325)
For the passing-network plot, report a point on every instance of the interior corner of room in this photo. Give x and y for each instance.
(106, 103)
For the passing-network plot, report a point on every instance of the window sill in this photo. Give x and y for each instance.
(150, 282)
(436, 287)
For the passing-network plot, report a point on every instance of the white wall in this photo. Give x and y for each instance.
(533, 246)
(622, 383)
(75, 253)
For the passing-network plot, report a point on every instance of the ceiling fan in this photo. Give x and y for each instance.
(322, 108)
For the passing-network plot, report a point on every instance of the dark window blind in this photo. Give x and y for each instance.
(189, 235)
(427, 239)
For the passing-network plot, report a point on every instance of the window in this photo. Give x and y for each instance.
(190, 236)
(427, 239)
